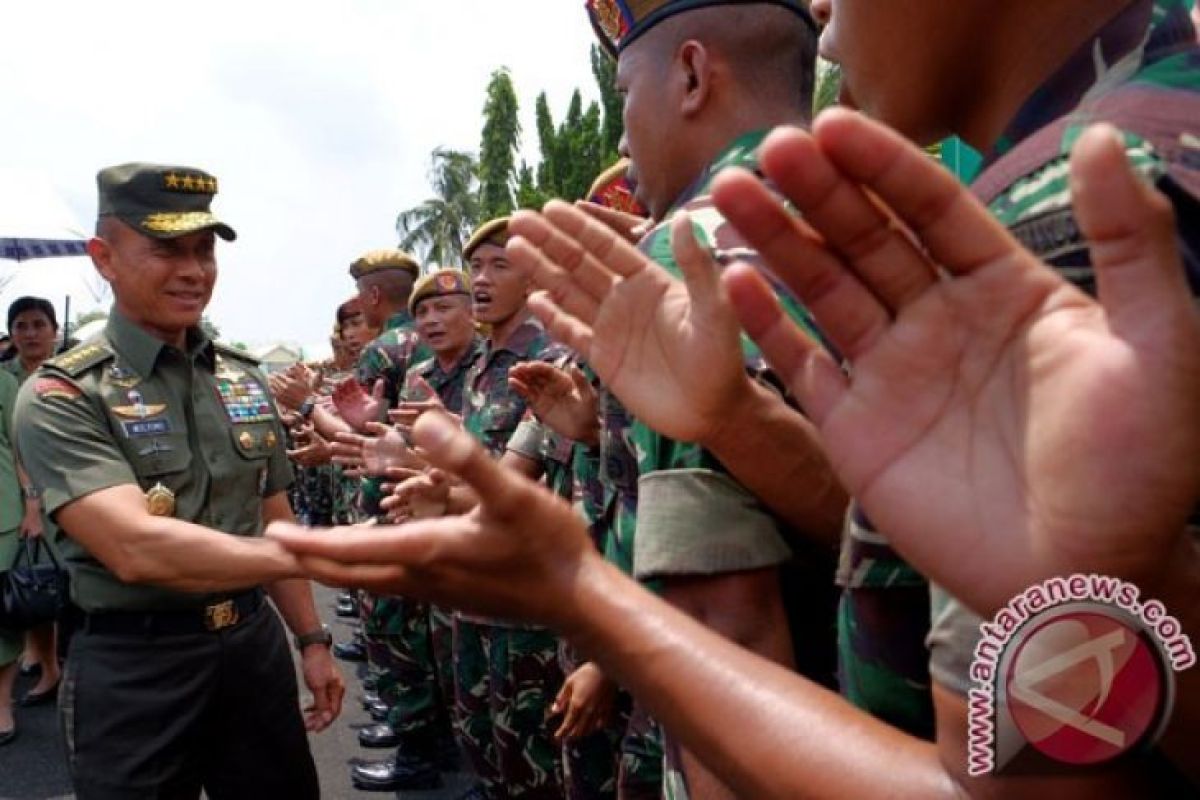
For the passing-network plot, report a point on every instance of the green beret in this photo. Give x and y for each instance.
(619, 22)
(439, 284)
(382, 261)
(494, 231)
(162, 202)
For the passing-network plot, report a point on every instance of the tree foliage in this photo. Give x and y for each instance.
(437, 229)
(498, 146)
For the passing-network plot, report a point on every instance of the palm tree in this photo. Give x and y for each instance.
(437, 229)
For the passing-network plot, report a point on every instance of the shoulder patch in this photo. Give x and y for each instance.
(56, 387)
(234, 352)
(79, 359)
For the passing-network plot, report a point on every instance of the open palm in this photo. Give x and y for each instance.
(998, 425)
(672, 357)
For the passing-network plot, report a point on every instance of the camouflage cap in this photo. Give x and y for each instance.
(494, 231)
(439, 283)
(619, 22)
(162, 202)
(612, 189)
(382, 261)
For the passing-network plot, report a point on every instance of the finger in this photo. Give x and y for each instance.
(851, 222)
(609, 252)
(503, 493)
(553, 279)
(569, 330)
(619, 222)
(700, 269)
(400, 474)
(955, 228)
(378, 389)
(520, 387)
(345, 439)
(567, 250)
(428, 390)
(378, 578)
(580, 380)
(1131, 232)
(804, 365)
(378, 428)
(848, 313)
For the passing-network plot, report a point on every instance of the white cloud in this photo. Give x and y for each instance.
(318, 119)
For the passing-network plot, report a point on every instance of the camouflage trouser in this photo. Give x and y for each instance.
(441, 637)
(640, 776)
(505, 681)
(399, 647)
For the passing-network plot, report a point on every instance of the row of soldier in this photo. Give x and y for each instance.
(900, 316)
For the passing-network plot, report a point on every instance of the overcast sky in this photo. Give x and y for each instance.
(318, 118)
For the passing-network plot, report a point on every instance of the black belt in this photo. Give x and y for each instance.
(212, 617)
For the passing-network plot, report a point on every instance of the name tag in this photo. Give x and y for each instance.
(146, 427)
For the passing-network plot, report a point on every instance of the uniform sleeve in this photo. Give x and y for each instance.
(953, 634)
(65, 443)
(528, 438)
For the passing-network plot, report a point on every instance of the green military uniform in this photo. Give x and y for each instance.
(167, 690)
(506, 674)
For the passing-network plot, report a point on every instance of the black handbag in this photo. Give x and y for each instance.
(32, 593)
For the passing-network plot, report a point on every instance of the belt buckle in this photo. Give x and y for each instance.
(220, 615)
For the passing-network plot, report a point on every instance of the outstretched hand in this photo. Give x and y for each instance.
(382, 448)
(998, 425)
(521, 553)
(669, 350)
(356, 407)
(563, 398)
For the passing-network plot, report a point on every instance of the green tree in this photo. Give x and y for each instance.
(604, 69)
(437, 229)
(528, 195)
(829, 85)
(498, 146)
(573, 153)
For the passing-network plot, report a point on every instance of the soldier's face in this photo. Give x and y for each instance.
(904, 62)
(445, 322)
(356, 332)
(648, 84)
(33, 335)
(499, 289)
(163, 285)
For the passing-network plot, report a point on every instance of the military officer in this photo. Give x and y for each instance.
(161, 458)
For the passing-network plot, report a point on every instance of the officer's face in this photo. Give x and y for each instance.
(499, 289)
(163, 285)
(904, 62)
(445, 323)
(34, 336)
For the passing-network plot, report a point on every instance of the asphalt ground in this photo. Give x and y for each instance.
(34, 766)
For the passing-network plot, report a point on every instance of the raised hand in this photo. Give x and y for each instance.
(419, 496)
(562, 398)
(585, 703)
(355, 406)
(289, 389)
(998, 425)
(313, 449)
(520, 553)
(382, 448)
(669, 351)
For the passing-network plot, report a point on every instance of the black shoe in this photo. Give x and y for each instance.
(350, 651)
(379, 711)
(368, 699)
(347, 608)
(476, 792)
(29, 670)
(446, 754)
(381, 735)
(370, 683)
(404, 771)
(39, 698)
(7, 737)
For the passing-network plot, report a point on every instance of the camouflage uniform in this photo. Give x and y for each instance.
(506, 674)
(388, 620)
(419, 676)
(693, 518)
(321, 495)
(1140, 72)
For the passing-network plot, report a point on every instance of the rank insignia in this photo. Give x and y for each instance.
(138, 408)
(123, 378)
(160, 501)
(56, 387)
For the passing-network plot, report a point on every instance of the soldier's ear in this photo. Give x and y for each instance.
(696, 64)
(101, 253)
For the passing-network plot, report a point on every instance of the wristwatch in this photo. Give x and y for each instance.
(31, 492)
(306, 408)
(320, 636)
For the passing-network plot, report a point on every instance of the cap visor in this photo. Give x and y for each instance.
(172, 225)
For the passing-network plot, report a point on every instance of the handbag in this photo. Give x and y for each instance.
(32, 592)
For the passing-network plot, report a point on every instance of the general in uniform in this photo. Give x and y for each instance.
(161, 458)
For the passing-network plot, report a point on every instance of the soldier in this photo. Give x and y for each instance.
(419, 655)
(161, 457)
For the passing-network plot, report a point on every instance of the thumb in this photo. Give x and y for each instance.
(563, 698)
(420, 383)
(502, 491)
(1130, 228)
(580, 380)
(378, 389)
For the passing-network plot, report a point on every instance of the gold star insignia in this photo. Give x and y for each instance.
(187, 182)
(212, 185)
(172, 180)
